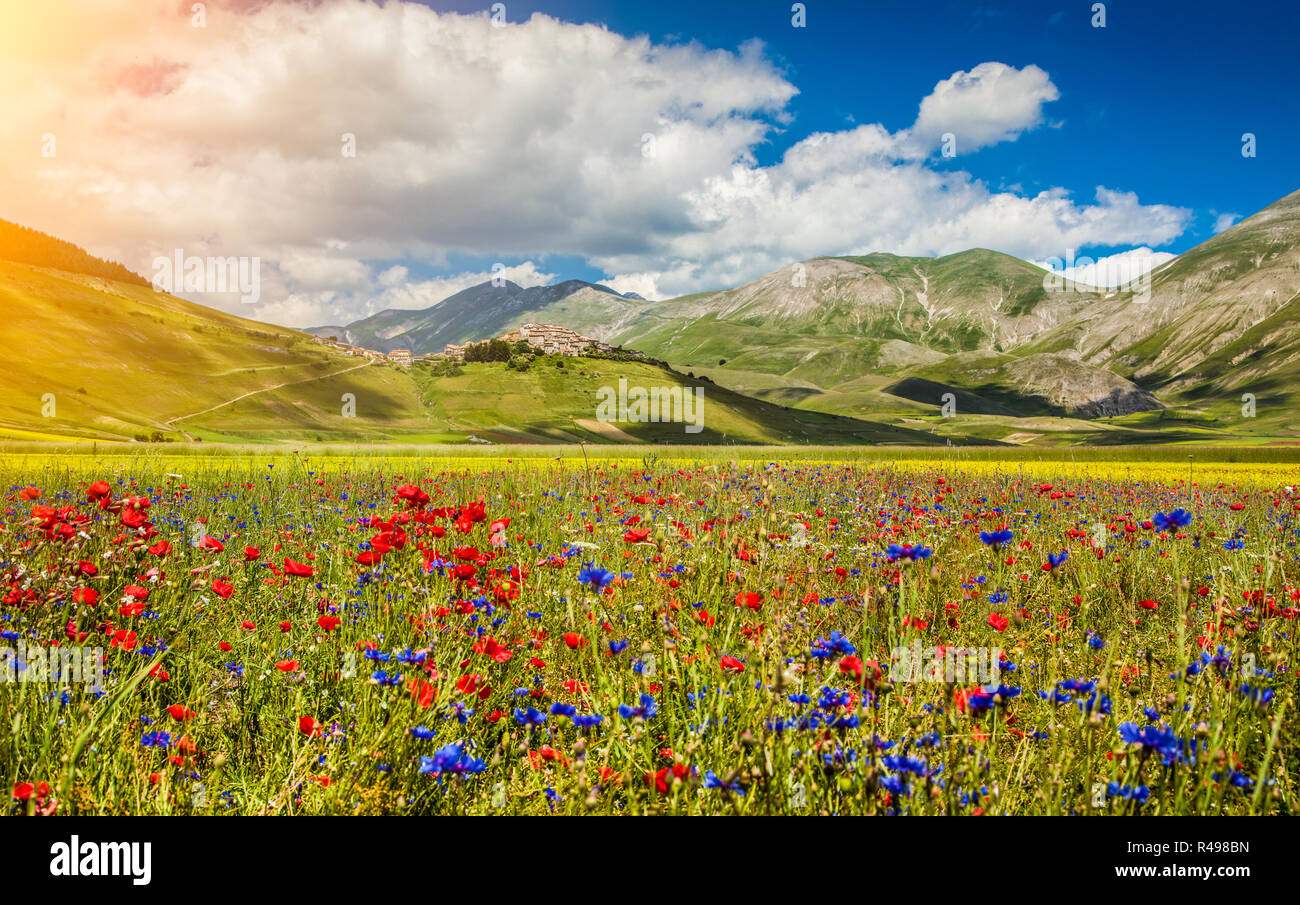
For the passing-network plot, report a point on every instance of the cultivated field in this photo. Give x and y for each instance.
(726, 631)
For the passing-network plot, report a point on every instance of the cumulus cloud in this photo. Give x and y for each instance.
(1109, 272)
(473, 142)
(992, 103)
(284, 302)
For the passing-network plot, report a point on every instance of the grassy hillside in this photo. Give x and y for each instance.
(122, 361)
(555, 400)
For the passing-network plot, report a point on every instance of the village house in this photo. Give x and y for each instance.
(553, 339)
(334, 343)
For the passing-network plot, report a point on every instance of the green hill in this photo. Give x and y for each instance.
(23, 245)
(101, 359)
(556, 400)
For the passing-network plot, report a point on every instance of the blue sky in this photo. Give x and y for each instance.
(1156, 102)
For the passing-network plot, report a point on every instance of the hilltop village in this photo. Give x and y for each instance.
(545, 339)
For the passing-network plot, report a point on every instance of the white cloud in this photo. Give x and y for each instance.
(1108, 272)
(288, 304)
(992, 103)
(1223, 221)
(537, 139)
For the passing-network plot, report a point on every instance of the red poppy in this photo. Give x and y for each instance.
(732, 665)
(422, 692)
(413, 496)
(491, 648)
(301, 570)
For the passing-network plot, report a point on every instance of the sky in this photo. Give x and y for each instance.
(374, 156)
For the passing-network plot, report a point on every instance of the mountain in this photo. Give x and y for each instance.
(1228, 302)
(833, 319)
(913, 328)
(862, 349)
(881, 333)
(485, 311)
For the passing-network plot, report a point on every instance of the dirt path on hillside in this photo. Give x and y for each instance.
(608, 431)
(288, 383)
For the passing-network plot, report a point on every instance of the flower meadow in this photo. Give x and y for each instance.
(287, 636)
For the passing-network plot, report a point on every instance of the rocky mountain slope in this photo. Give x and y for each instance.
(488, 310)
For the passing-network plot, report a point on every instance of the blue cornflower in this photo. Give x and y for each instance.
(1128, 793)
(595, 576)
(835, 644)
(530, 717)
(907, 552)
(451, 759)
(156, 740)
(645, 710)
(901, 763)
(1179, 518)
(1152, 738)
(711, 781)
(997, 538)
(1261, 696)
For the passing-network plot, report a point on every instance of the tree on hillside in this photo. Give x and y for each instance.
(28, 246)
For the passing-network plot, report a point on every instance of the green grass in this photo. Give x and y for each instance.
(556, 400)
(121, 360)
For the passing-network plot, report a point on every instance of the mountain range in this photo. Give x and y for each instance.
(482, 312)
(970, 347)
(883, 334)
